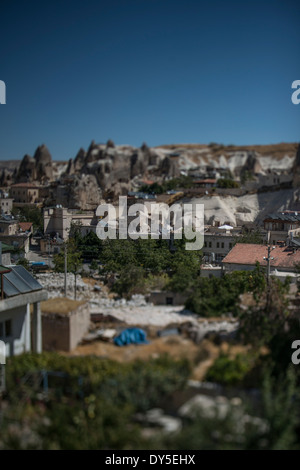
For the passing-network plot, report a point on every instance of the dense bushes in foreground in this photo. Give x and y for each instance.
(95, 412)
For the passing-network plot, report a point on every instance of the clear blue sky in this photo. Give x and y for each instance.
(154, 71)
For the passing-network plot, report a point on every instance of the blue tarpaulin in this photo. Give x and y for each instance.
(131, 336)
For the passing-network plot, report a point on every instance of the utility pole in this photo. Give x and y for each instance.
(172, 248)
(65, 248)
(49, 246)
(268, 259)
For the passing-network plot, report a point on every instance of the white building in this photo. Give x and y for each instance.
(19, 289)
(58, 220)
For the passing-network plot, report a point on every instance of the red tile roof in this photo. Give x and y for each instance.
(148, 182)
(24, 226)
(209, 180)
(248, 253)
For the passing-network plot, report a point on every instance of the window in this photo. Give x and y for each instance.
(222, 245)
(218, 245)
(230, 245)
(169, 300)
(5, 329)
(205, 244)
(209, 244)
(274, 243)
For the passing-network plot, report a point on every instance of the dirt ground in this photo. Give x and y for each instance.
(201, 356)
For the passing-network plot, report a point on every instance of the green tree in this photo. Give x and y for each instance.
(75, 232)
(250, 236)
(185, 271)
(131, 281)
(24, 262)
(227, 183)
(269, 316)
(172, 184)
(150, 258)
(91, 246)
(216, 296)
(74, 260)
(30, 214)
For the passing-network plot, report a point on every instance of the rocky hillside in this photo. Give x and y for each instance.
(115, 167)
(109, 169)
(257, 158)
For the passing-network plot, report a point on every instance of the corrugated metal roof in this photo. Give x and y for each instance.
(8, 288)
(31, 281)
(284, 217)
(19, 281)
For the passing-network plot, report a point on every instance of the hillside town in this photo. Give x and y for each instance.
(208, 317)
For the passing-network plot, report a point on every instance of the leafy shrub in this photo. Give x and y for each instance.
(227, 183)
(100, 416)
(228, 371)
(216, 296)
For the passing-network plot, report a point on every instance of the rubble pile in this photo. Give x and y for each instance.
(55, 285)
(136, 311)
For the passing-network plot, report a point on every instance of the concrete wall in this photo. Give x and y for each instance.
(8, 228)
(64, 332)
(6, 259)
(211, 272)
(49, 247)
(280, 273)
(17, 343)
(58, 219)
(164, 298)
(55, 332)
(6, 205)
(219, 244)
(80, 322)
(230, 267)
